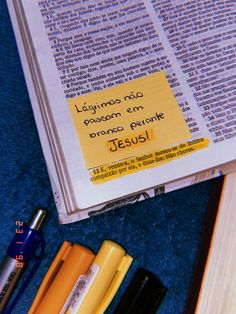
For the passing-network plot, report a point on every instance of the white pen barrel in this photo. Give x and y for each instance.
(9, 275)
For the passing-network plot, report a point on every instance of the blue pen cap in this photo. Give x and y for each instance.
(27, 238)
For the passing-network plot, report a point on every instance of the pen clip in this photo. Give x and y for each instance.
(38, 258)
(115, 284)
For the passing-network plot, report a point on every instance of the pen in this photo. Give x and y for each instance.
(21, 248)
(71, 262)
(94, 292)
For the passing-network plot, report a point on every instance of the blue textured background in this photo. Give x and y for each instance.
(162, 234)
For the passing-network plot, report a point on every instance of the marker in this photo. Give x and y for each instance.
(20, 250)
(71, 262)
(94, 292)
(144, 294)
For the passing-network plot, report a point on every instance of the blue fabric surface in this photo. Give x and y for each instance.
(162, 234)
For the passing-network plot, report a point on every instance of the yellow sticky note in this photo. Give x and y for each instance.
(128, 120)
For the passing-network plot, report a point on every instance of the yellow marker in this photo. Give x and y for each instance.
(96, 290)
(70, 262)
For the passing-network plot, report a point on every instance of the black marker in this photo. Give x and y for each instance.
(143, 295)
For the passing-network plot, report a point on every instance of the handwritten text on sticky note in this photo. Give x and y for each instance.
(127, 120)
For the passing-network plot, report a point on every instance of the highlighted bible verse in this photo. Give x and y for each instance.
(130, 127)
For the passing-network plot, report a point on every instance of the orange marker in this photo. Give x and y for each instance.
(70, 262)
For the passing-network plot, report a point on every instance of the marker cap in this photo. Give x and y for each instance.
(106, 275)
(70, 262)
(143, 295)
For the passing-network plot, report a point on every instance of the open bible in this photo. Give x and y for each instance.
(131, 99)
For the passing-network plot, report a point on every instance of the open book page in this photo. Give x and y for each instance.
(85, 53)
